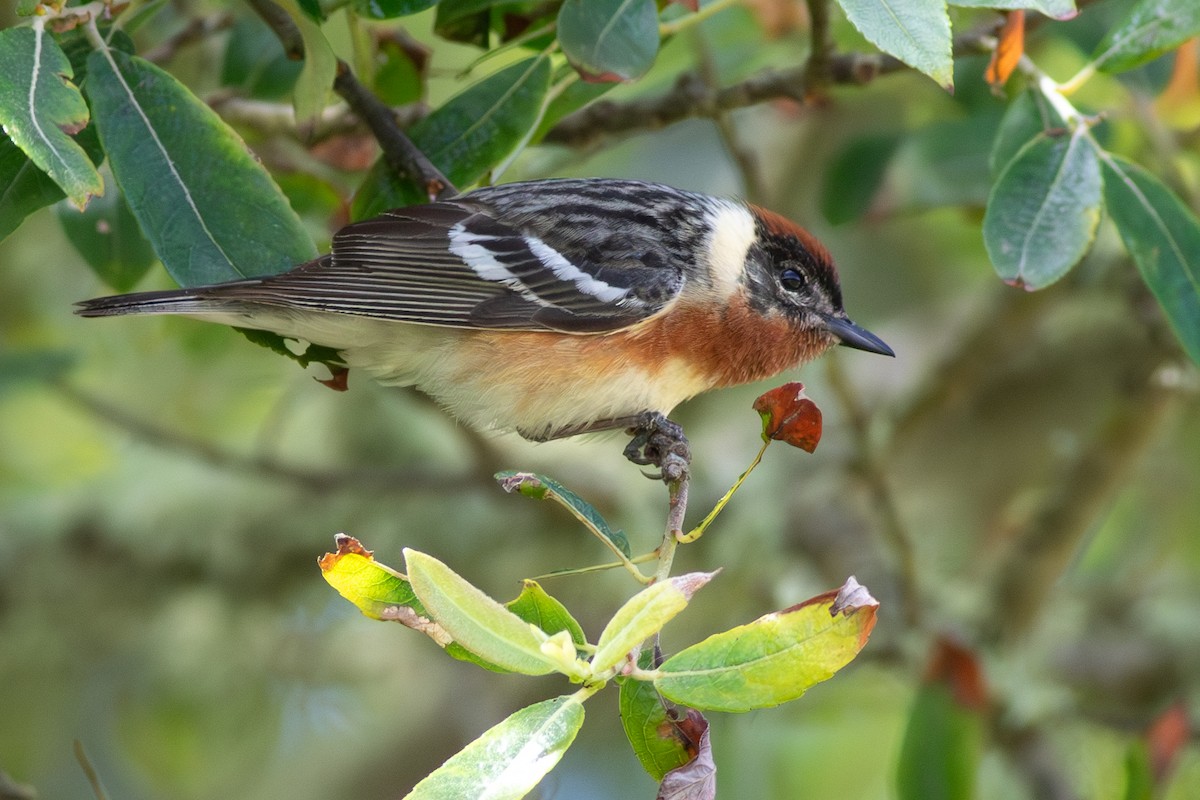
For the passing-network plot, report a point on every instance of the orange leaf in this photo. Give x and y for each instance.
(1009, 49)
(789, 416)
(1179, 103)
(959, 668)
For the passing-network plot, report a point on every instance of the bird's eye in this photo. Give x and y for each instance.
(791, 280)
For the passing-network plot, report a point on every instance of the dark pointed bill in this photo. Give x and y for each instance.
(852, 335)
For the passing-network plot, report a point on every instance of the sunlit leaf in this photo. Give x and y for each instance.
(1163, 236)
(474, 620)
(508, 760)
(774, 659)
(1043, 211)
(40, 108)
(107, 235)
(543, 487)
(915, 31)
(609, 40)
(644, 615)
(470, 134)
(1151, 28)
(203, 200)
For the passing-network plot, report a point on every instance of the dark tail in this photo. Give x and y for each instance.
(173, 301)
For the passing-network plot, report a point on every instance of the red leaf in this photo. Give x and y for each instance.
(959, 668)
(1168, 735)
(789, 416)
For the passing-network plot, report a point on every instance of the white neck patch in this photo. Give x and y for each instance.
(733, 231)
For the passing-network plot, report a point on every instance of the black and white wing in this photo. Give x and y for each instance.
(455, 263)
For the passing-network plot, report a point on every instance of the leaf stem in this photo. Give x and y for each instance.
(698, 531)
(683, 23)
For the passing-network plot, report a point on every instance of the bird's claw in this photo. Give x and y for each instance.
(659, 442)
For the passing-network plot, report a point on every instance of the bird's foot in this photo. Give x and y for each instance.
(659, 442)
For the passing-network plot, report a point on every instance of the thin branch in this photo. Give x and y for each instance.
(820, 43)
(199, 29)
(874, 474)
(692, 97)
(399, 481)
(743, 158)
(402, 156)
(279, 119)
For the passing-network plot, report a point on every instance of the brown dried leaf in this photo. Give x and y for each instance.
(697, 779)
(778, 17)
(789, 416)
(1167, 736)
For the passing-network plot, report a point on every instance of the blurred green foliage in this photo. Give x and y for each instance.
(1021, 480)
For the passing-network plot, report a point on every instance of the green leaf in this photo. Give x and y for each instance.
(1139, 773)
(254, 61)
(854, 177)
(644, 615)
(1163, 236)
(1057, 9)
(508, 760)
(915, 31)
(23, 187)
(203, 200)
(107, 235)
(650, 729)
(473, 132)
(942, 745)
(40, 108)
(609, 40)
(1043, 211)
(1027, 116)
(537, 607)
(574, 97)
(387, 9)
(1151, 28)
(476, 621)
(310, 95)
(464, 20)
(774, 659)
(542, 487)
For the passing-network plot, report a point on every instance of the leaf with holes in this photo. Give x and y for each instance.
(915, 31)
(203, 200)
(1043, 211)
(609, 41)
(1163, 236)
(40, 108)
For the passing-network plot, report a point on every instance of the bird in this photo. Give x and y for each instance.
(550, 307)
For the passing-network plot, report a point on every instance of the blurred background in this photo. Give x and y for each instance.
(1018, 487)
